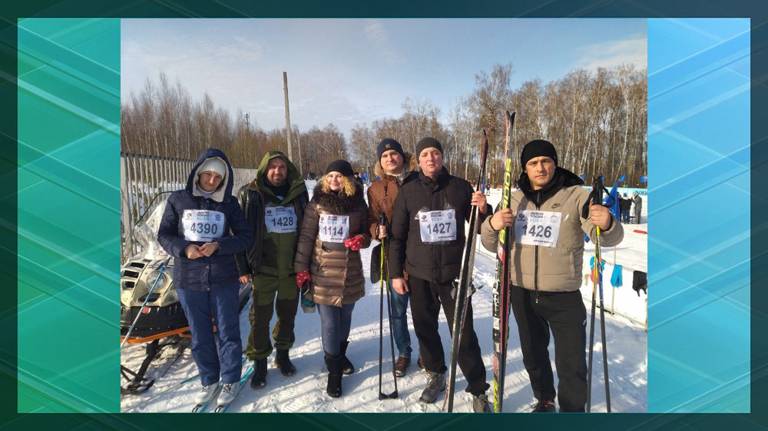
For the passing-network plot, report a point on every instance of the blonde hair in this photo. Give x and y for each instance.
(347, 185)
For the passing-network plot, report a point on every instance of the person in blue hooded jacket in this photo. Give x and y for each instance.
(203, 228)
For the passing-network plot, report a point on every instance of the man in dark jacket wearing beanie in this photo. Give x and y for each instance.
(550, 215)
(427, 242)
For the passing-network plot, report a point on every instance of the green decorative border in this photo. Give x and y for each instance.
(68, 215)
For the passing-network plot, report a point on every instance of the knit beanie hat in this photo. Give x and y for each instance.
(428, 143)
(341, 166)
(538, 148)
(389, 144)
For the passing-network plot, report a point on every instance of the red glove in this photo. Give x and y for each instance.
(302, 277)
(354, 243)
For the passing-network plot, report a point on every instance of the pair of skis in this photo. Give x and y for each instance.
(463, 288)
(222, 407)
(501, 287)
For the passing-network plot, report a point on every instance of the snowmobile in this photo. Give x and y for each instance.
(150, 311)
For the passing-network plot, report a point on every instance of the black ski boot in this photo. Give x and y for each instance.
(346, 366)
(333, 389)
(283, 362)
(544, 406)
(259, 378)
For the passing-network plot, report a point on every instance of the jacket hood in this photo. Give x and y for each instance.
(225, 189)
(293, 178)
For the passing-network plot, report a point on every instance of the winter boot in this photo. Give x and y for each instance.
(259, 378)
(283, 362)
(544, 406)
(346, 366)
(228, 393)
(435, 385)
(401, 366)
(206, 393)
(480, 404)
(334, 375)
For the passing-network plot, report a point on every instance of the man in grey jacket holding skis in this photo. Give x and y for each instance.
(549, 215)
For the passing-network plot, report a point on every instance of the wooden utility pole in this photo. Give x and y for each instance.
(288, 130)
(298, 145)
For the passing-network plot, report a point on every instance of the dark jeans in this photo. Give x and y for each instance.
(400, 322)
(335, 323)
(222, 304)
(565, 315)
(426, 299)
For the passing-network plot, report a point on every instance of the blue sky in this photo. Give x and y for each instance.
(349, 71)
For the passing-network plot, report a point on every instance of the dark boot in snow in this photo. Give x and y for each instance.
(259, 378)
(334, 375)
(346, 366)
(435, 385)
(283, 362)
(544, 406)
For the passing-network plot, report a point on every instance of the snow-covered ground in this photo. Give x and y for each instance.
(305, 391)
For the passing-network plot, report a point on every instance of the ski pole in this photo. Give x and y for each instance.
(381, 314)
(462, 296)
(597, 199)
(597, 285)
(391, 331)
(146, 299)
(385, 279)
(602, 331)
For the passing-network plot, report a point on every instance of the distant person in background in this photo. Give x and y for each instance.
(638, 201)
(625, 203)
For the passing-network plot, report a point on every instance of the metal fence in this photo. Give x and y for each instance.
(142, 178)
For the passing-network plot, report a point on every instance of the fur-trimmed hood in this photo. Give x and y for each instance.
(338, 202)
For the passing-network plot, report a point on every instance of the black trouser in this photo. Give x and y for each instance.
(565, 314)
(426, 299)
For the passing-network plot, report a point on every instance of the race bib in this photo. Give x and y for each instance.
(537, 228)
(202, 225)
(437, 226)
(334, 228)
(280, 219)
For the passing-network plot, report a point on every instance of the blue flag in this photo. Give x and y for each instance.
(612, 200)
